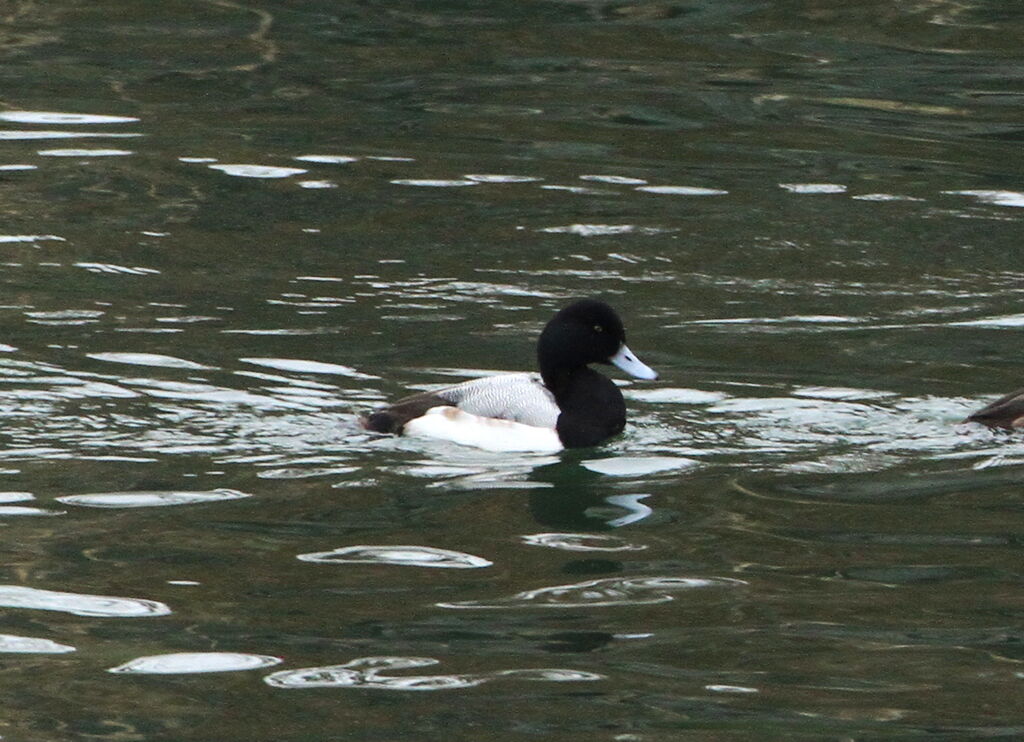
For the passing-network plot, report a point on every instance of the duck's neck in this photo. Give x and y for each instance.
(591, 408)
(559, 380)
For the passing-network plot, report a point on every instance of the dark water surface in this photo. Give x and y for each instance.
(810, 216)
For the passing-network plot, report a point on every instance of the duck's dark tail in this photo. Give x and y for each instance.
(383, 421)
(392, 419)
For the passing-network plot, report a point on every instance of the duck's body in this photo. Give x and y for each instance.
(1005, 412)
(566, 405)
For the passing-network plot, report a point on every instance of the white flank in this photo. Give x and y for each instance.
(490, 434)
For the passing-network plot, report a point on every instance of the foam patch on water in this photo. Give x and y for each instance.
(150, 499)
(406, 556)
(13, 644)
(79, 604)
(605, 593)
(369, 673)
(184, 663)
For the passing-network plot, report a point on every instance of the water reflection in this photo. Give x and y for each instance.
(185, 663)
(609, 592)
(409, 556)
(149, 499)
(581, 542)
(258, 171)
(824, 260)
(369, 672)
(12, 644)
(79, 604)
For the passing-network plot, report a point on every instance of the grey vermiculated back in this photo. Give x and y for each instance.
(519, 397)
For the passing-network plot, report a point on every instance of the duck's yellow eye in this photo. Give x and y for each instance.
(598, 328)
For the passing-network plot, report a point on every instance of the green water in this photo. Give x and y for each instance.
(809, 216)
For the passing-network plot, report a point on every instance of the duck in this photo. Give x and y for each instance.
(566, 404)
(1006, 412)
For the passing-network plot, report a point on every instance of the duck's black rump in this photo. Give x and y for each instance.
(1005, 412)
(392, 419)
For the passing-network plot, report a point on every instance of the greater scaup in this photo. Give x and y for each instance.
(566, 405)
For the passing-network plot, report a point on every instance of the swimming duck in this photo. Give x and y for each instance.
(566, 405)
(1005, 412)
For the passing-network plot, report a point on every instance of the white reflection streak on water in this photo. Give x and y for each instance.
(182, 663)
(58, 117)
(581, 542)
(603, 593)
(150, 499)
(367, 672)
(79, 604)
(407, 556)
(13, 644)
(258, 171)
(39, 134)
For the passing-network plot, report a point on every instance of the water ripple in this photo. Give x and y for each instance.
(407, 556)
(12, 644)
(327, 159)
(55, 134)
(307, 367)
(55, 117)
(581, 542)
(611, 591)
(435, 183)
(631, 466)
(180, 663)
(149, 499)
(147, 359)
(79, 604)
(368, 672)
(258, 171)
(85, 152)
(671, 190)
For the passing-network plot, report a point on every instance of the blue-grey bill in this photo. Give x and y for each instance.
(632, 365)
